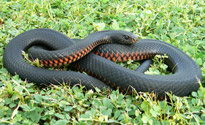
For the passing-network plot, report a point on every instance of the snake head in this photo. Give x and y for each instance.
(122, 37)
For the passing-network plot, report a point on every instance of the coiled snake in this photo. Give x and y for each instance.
(62, 50)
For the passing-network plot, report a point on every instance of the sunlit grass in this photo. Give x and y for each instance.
(179, 23)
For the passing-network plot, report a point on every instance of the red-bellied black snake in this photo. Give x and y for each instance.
(63, 50)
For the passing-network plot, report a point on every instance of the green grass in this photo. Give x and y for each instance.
(178, 22)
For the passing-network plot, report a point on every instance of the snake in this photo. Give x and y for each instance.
(96, 55)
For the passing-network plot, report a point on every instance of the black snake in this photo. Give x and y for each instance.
(62, 50)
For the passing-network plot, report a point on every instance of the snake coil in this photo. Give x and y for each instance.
(61, 50)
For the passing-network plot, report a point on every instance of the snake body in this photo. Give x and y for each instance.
(181, 83)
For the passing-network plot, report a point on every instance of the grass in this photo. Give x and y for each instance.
(178, 22)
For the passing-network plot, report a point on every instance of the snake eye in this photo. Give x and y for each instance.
(126, 37)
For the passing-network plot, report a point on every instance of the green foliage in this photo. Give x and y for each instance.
(179, 23)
